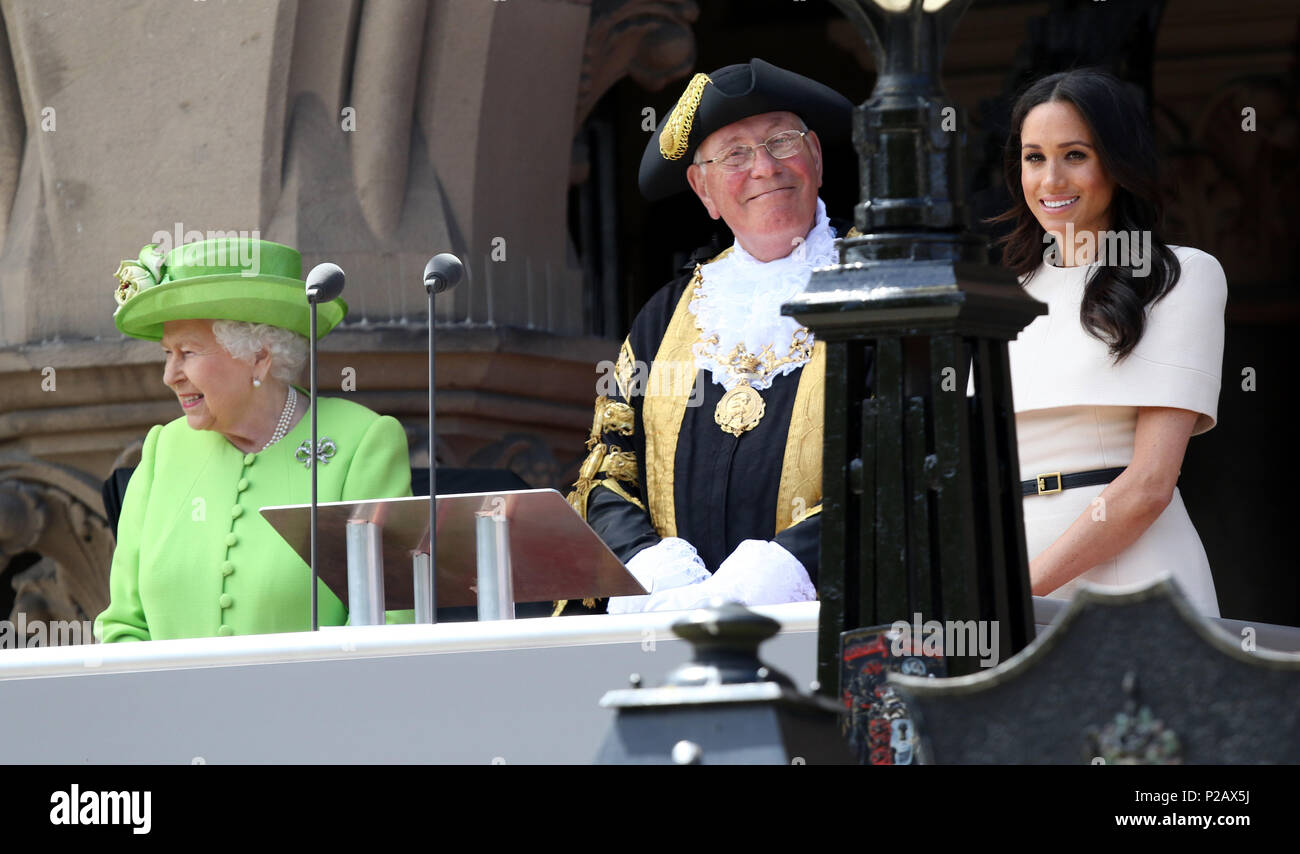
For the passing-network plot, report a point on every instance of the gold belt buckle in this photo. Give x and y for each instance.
(1042, 483)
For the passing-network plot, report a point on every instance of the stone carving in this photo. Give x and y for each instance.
(368, 132)
(42, 599)
(647, 40)
(417, 441)
(371, 134)
(57, 513)
(526, 455)
(1227, 184)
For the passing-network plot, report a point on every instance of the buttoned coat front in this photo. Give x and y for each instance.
(194, 556)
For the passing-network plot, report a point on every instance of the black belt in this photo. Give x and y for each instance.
(1046, 484)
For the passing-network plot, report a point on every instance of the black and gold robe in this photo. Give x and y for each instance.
(660, 466)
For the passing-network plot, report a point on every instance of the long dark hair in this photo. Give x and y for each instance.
(1115, 298)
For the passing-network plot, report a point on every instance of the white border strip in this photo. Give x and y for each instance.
(364, 642)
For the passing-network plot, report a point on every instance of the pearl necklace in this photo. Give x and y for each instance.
(286, 415)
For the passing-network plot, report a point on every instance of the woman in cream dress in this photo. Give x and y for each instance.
(1125, 367)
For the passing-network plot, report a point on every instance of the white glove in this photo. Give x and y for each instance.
(758, 572)
(670, 563)
(761, 572)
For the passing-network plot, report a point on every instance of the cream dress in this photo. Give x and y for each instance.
(1077, 411)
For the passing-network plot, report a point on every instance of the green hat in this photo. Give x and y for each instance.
(227, 278)
(713, 101)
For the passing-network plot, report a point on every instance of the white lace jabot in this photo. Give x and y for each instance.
(739, 301)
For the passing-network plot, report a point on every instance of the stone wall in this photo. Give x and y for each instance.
(371, 133)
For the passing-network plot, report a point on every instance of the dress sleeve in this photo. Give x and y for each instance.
(124, 618)
(381, 467)
(1180, 356)
(608, 491)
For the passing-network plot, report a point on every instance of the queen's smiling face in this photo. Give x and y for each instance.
(1061, 173)
(215, 389)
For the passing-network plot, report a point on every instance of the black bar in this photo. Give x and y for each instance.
(891, 485)
(920, 599)
(836, 502)
(959, 558)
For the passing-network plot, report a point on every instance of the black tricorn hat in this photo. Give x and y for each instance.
(713, 101)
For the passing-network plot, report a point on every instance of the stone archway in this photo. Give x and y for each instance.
(55, 545)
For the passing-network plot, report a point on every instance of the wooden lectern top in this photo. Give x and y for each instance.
(554, 554)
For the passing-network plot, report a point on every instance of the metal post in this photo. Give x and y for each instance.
(311, 463)
(365, 573)
(431, 607)
(496, 595)
(422, 581)
(443, 271)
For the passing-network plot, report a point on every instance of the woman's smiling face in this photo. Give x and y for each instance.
(1061, 173)
(215, 389)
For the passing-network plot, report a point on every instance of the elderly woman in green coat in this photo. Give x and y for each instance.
(194, 557)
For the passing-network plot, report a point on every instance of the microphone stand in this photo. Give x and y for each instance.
(324, 282)
(431, 289)
(443, 271)
(311, 456)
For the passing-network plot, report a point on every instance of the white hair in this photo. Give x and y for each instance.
(244, 340)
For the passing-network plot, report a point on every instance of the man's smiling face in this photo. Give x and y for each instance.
(771, 205)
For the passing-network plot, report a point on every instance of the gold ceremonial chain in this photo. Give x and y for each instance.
(741, 408)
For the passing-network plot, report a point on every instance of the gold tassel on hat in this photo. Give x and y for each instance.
(676, 135)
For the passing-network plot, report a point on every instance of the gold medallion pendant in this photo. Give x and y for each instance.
(739, 410)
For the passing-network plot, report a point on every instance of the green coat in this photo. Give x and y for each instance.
(194, 556)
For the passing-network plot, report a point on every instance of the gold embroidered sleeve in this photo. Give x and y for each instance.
(620, 465)
(614, 487)
(611, 417)
(625, 369)
(586, 479)
(607, 464)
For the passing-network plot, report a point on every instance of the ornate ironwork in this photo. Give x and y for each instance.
(1205, 696)
(921, 504)
(724, 706)
(1135, 736)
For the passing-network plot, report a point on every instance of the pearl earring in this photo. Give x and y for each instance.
(257, 383)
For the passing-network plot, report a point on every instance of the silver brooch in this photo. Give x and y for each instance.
(325, 451)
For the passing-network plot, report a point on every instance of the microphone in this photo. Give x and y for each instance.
(442, 272)
(324, 283)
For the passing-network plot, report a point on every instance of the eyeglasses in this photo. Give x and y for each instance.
(740, 157)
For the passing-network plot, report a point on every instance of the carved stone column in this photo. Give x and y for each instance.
(57, 513)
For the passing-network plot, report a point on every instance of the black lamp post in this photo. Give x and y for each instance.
(921, 501)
